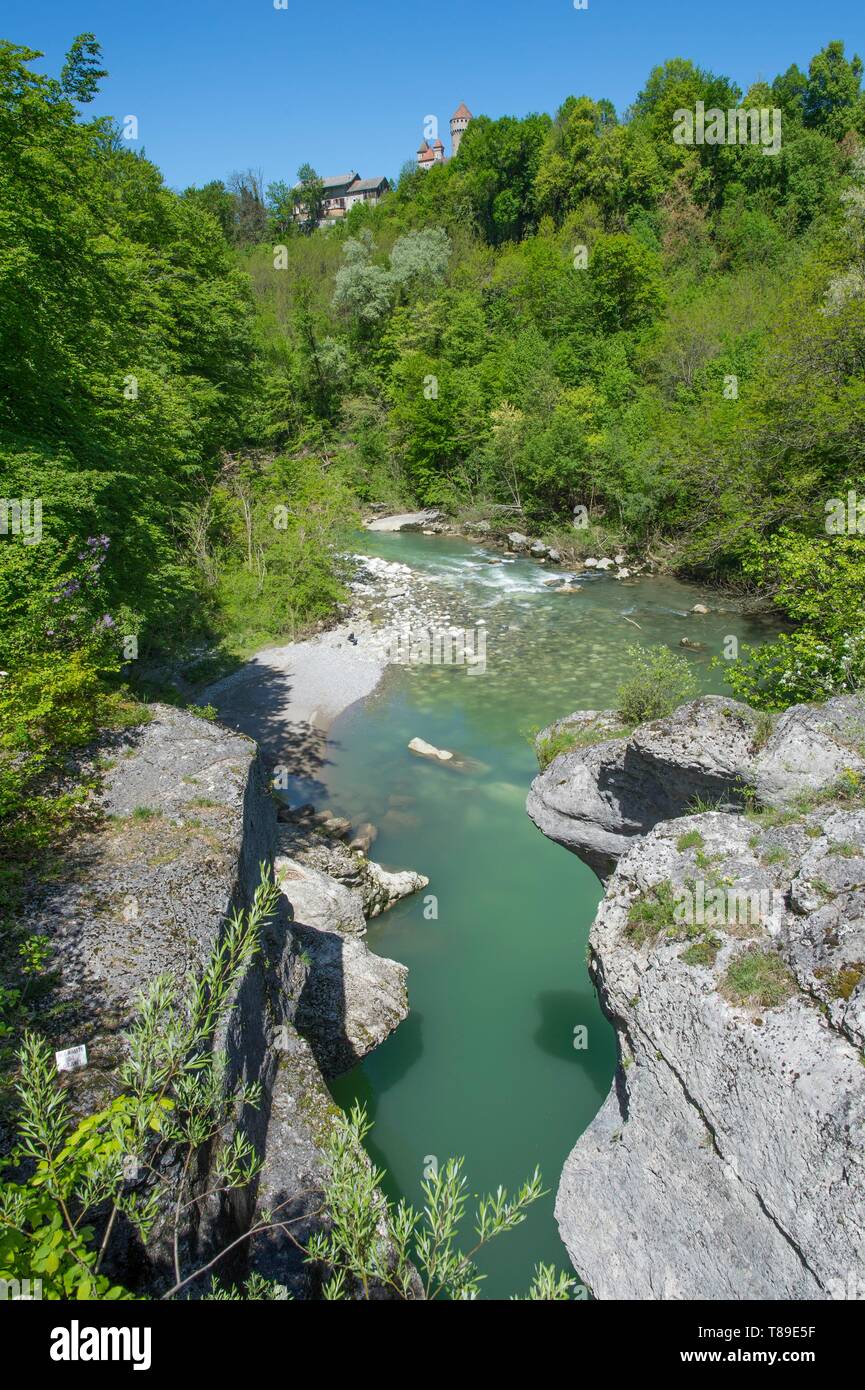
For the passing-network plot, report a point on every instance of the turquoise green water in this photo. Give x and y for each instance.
(485, 1065)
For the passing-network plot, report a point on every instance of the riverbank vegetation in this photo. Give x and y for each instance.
(130, 1171)
(576, 317)
(575, 313)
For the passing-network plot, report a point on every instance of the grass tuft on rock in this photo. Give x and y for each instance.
(651, 914)
(758, 976)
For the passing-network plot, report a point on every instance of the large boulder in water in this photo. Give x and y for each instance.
(352, 999)
(406, 521)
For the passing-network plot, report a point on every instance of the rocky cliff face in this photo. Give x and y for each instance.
(729, 953)
(189, 826)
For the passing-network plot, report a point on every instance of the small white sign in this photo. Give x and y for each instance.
(71, 1058)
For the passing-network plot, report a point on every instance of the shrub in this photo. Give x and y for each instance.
(662, 680)
(371, 1245)
(173, 1101)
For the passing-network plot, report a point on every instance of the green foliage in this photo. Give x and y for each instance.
(818, 583)
(269, 536)
(255, 1289)
(174, 1100)
(702, 952)
(75, 1169)
(625, 283)
(662, 680)
(651, 914)
(759, 976)
(370, 1246)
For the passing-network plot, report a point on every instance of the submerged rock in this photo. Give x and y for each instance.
(427, 750)
(363, 837)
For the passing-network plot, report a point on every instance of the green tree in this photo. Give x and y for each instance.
(832, 99)
(310, 198)
(81, 74)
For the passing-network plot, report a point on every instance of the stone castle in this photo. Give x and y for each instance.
(433, 152)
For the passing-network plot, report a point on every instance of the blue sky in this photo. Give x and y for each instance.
(219, 85)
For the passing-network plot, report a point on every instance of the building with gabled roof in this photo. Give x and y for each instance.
(341, 192)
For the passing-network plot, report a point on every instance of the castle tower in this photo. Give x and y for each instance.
(459, 124)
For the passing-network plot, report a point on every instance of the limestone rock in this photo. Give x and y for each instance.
(374, 888)
(427, 750)
(383, 887)
(596, 800)
(727, 1160)
(351, 1001)
(406, 521)
(317, 900)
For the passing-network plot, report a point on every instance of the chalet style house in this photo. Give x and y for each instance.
(342, 191)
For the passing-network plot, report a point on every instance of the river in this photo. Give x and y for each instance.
(486, 1064)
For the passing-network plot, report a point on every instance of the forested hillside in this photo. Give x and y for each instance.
(576, 312)
(579, 325)
(579, 312)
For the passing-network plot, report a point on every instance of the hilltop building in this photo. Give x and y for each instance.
(342, 191)
(434, 152)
